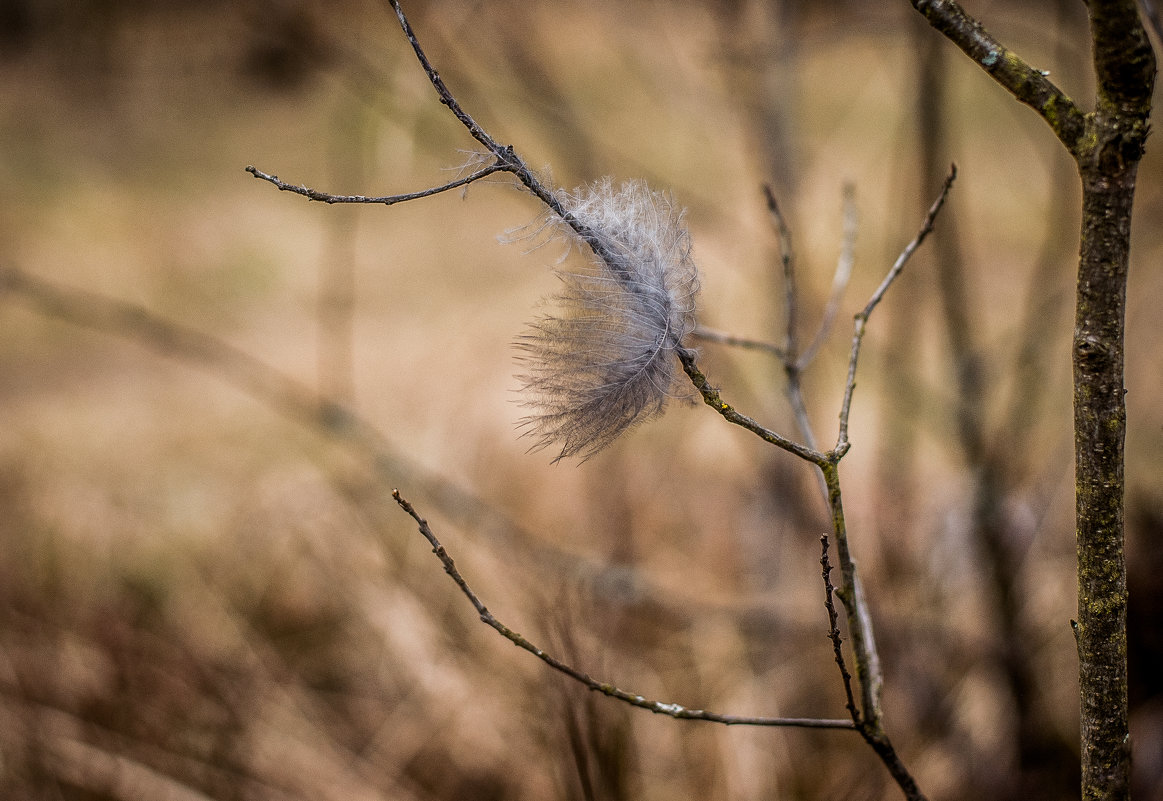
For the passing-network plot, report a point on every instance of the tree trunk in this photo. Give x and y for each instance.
(1108, 160)
(1107, 145)
(1099, 428)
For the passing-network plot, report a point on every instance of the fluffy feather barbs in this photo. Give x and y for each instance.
(604, 358)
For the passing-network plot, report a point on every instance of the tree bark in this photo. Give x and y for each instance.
(1107, 162)
(1100, 420)
(1107, 145)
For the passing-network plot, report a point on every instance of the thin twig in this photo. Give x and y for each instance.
(859, 619)
(505, 155)
(861, 319)
(834, 631)
(712, 398)
(724, 338)
(840, 278)
(386, 200)
(791, 301)
(790, 359)
(478, 133)
(671, 710)
(868, 673)
(867, 669)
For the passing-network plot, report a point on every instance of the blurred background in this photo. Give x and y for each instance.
(208, 389)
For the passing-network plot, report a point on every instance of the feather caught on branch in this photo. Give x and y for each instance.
(604, 359)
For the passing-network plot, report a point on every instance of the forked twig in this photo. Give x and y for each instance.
(658, 707)
(840, 279)
(861, 319)
(850, 590)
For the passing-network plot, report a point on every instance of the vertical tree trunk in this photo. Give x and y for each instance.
(1108, 161)
(1099, 429)
(1107, 144)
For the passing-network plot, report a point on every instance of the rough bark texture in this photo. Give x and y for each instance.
(1107, 162)
(1107, 145)
(1099, 430)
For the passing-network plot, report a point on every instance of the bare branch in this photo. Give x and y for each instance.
(834, 631)
(1030, 86)
(868, 671)
(658, 707)
(712, 398)
(864, 646)
(862, 316)
(855, 606)
(504, 154)
(840, 278)
(478, 133)
(791, 361)
(723, 338)
(786, 258)
(386, 200)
